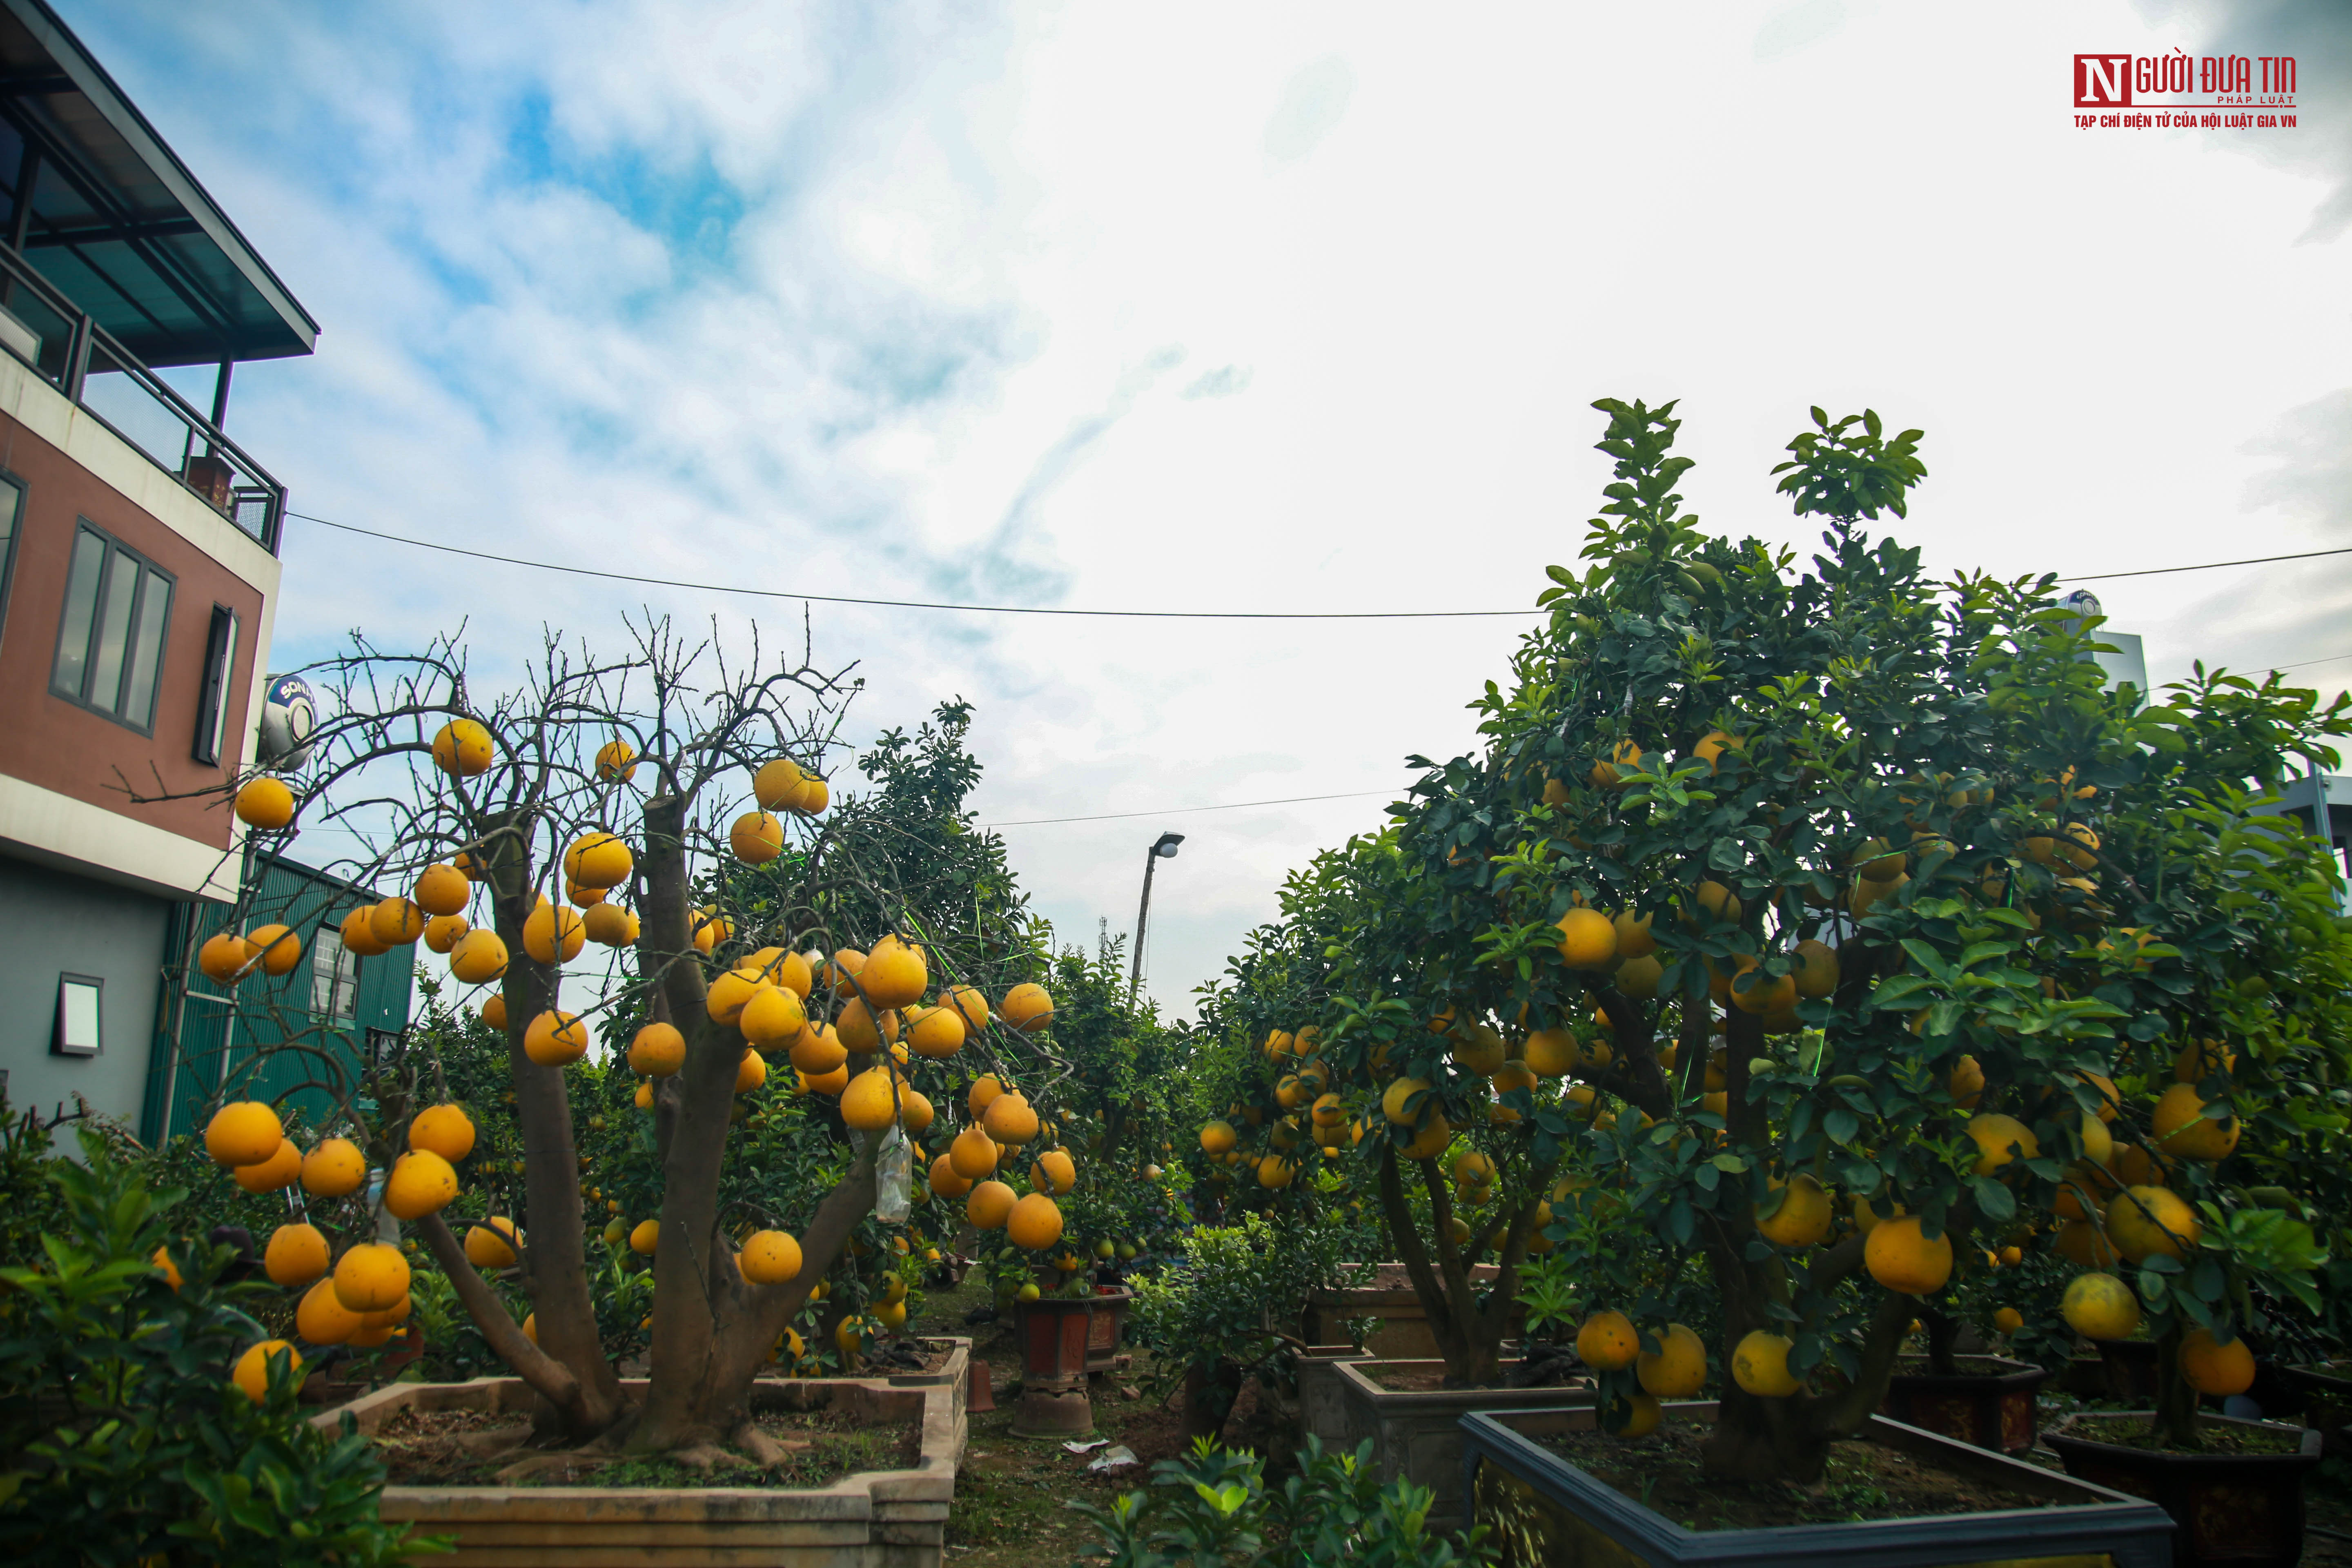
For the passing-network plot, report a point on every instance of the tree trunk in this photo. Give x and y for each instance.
(1943, 1330)
(1210, 1395)
(2176, 1402)
(554, 1259)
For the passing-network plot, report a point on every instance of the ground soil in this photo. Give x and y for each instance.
(472, 1448)
(2133, 1432)
(1863, 1481)
(1012, 1495)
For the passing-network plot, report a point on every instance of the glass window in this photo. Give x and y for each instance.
(138, 687)
(81, 613)
(220, 662)
(11, 505)
(334, 978)
(117, 622)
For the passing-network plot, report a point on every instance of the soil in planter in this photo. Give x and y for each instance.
(2132, 1432)
(1962, 1366)
(1426, 1379)
(1863, 1481)
(473, 1447)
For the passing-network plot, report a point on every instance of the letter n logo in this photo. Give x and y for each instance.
(2103, 81)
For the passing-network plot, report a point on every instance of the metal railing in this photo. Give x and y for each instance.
(73, 353)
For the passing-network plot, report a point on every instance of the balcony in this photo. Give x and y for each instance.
(68, 349)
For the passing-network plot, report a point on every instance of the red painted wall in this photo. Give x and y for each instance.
(46, 740)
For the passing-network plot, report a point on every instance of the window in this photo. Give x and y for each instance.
(11, 507)
(110, 638)
(77, 1026)
(381, 1043)
(334, 978)
(220, 661)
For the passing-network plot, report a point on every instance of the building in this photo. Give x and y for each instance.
(138, 565)
(339, 1008)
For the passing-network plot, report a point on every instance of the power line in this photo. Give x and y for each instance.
(2209, 565)
(929, 603)
(1144, 614)
(1188, 810)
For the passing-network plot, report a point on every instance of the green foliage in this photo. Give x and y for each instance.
(1230, 1308)
(1212, 1507)
(125, 1440)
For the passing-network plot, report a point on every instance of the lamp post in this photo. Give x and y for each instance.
(1163, 849)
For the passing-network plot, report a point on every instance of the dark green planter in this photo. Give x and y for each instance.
(1544, 1510)
(2241, 1509)
(1991, 1403)
(2326, 1390)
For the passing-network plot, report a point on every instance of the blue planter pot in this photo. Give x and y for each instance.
(1546, 1510)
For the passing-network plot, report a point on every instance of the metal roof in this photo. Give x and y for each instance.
(118, 222)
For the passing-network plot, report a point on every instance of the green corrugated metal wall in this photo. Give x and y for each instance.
(206, 1033)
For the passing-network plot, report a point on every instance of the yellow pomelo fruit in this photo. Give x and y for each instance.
(1010, 1120)
(2100, 1307)
(371, 1277)
(462, 749)
(478, 957)
(770, 1258)
(297, 1255)
(1026, 1007)
(336, 1167)
(1803, 1218)
(2216, 1369)
(420, 1184)
(2184, 1131)
(2000, 1140)
(264, 803)
(492, 1244)
(1035, 1223)
(1759, 1363)
(2144, 1221)
(658, 1051)
(252, 1374)
(554, 1039)
(895, 976)
(445, 1129)
(1552, 1052)
(243, 1133)
(1588, 940)
(322, 1318)
(1607, 1341)
(277, 1172)
(1900, 1256)
(1677, 1368)
(646, 1238)
(990, 1204)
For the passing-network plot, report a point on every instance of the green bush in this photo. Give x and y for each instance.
(122, 1440)
(1212, 1507)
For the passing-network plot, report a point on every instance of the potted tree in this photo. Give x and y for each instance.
(785, 984)
(1865, 926)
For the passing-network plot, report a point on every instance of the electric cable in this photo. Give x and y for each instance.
(1141, 615)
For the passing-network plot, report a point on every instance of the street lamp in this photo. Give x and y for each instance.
(1163, 849)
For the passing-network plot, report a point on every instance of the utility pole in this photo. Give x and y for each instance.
(1163, 849)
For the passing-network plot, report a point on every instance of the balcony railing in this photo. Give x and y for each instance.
(73, 353)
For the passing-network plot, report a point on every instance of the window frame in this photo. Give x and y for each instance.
(212, 697)
(133, 618)
(96, 984)
(8, 547)
(338, 985)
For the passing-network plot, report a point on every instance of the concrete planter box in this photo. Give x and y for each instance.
(2244, 1509)
(1543, 1510)
(1401, 1331)
(873, 1519)
(1322, 1403)
(1416, 1433)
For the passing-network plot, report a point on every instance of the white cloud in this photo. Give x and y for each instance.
(930, 302)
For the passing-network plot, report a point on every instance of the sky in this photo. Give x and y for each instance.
(1245, 308)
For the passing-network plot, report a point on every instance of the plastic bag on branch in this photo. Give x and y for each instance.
(894, 1169)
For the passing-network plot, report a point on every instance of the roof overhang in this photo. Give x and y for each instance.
(118, 222)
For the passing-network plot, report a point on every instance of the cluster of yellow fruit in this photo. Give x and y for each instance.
(1002, 1121)
(1607, 1342)
(364, 1299)
(1623, 947)
(758, 837)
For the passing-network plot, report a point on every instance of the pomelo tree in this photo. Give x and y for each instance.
(673, 810)
(1870, 932)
